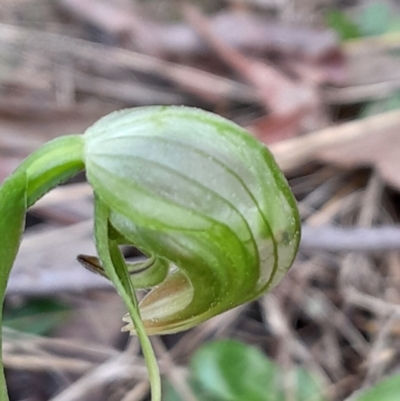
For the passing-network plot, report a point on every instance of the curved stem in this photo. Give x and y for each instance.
(44, 169)
(56, 161)
(12, 216)
(53, 163)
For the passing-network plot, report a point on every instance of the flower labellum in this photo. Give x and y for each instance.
(203, 199)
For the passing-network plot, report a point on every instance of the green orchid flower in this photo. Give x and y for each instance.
(203, 199)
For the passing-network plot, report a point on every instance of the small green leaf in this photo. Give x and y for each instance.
(231, 371)
(381, 106)
(307, 387)
(375, 19)
(394, 27)
(387, 390)
(37, 316)
(339, 21)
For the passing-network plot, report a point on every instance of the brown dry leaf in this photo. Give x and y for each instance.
(274, 128)
(105, 15)
(372, 70)
(379, 149)
(241, 30)
(372, 60)
(365, 142)
(280, 94)
(288, 102)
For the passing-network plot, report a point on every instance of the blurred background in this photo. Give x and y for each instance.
(318, 81)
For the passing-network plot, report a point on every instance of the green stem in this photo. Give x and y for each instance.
(133, 308)
(117, 272)
(44, 169)
(53, 163)
(12, 216)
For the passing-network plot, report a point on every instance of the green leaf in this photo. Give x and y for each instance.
(380, 106)
(307, 387)
(394, 27)
(231, 371)
(37, 316)
(339, 21)
(12, 216)
(375, 19)
(387, 390)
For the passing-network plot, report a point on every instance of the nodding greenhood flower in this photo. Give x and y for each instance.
(196, 193)
(202, 198)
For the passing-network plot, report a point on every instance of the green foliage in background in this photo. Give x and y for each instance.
(229, 370)
(343, 25)
(386, 390)
(376, 19)
(37, 316)
(232, 371)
